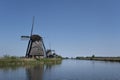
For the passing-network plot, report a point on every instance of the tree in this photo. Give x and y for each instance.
(93, 56)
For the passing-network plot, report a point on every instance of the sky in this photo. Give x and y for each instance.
(70, 27)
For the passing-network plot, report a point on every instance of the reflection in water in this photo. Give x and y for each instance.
(11, 67)
(68, 70)
(37, 72)
(26, 72)
(12, 73)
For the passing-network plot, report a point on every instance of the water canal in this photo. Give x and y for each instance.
(67, 70)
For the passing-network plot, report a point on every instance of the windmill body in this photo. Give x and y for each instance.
(35, 47)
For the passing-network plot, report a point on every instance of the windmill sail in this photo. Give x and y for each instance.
(32, 26)
(25, 37)
(30, 42)
(28, 49)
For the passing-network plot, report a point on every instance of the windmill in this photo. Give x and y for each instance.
(50, 53)
(36, 47)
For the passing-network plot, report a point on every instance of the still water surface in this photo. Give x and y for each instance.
(67, 70)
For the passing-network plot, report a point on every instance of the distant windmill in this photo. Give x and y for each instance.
(36, 47)
(50, 53)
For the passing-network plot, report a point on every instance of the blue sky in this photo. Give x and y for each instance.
(72, 27)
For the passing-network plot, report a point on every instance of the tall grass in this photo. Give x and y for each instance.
(7, 60)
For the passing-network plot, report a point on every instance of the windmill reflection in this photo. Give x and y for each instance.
(38, 72)
(35, 72)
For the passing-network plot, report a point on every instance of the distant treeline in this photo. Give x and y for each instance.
(116, 59)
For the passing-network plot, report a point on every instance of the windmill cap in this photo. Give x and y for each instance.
(35, 38)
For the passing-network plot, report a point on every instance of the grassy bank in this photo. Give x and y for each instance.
(112, 59)
(9, 61)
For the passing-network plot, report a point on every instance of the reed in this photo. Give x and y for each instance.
(12, 60)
